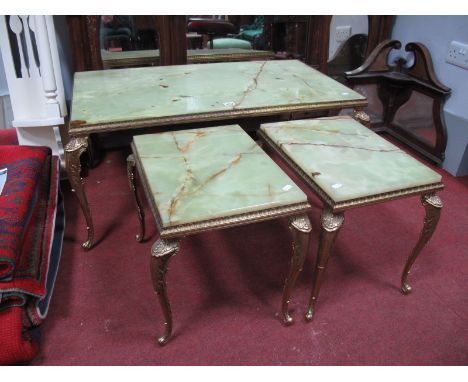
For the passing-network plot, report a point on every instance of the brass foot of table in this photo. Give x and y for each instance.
(300, 229)
(406, 288)
(131, 181)
(161, 251)
(433, 206)
(330, 226)
(310, 314)
(362, 117)
(73, 151)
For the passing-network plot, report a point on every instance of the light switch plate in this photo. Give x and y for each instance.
(458, 54)
(342, 33)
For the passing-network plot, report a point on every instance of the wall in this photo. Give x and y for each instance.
(6, 112)
(3, 81)
(359, 24)
(436, 32)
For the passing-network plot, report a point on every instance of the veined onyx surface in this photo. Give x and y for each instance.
(203, 174)
(134, 94)
(346, 159)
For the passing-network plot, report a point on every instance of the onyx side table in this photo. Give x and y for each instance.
(348, 166)
(204, 179)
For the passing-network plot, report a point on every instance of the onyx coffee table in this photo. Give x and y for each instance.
(204, 179)
(159, 97)
(348, 166)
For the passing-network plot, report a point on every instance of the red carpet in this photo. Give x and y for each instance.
(225, 288)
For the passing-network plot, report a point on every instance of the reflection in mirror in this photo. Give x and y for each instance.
(415, 117)
(129, 41)
(347, 44)
(227, 38)
(286, 35)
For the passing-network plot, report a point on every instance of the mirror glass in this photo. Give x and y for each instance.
(347, 44)
(226, 38)
(128, 41)
(415, 117)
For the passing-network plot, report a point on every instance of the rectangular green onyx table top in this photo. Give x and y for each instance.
(137, 97)
(347, 160)
(203, 174)
(151, 56)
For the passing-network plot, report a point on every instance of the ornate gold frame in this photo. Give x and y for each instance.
(191, 59)
(225, 222)
(80, 128)
(117, 63)
(230, 57)
(352, 203)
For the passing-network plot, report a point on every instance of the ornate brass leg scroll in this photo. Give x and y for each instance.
(362, 117)
(433, 206)
(73, 151)
(331, 224)
(161, 252)
(131, 181)
(300, 228)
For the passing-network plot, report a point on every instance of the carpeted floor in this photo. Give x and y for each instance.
(225, 288)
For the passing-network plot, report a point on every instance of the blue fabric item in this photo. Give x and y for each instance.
(55, 254)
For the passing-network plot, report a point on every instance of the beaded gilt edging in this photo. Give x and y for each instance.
(224, 222)
(341, 206)
(77, 129)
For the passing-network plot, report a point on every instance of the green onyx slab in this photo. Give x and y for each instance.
(123, 96)
(347, 160)
(204, 174)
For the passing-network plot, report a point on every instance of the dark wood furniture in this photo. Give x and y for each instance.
(286, 34)
(318, 32)
(404, 101)
(350, 56)
(317, 40)
(173, 40)
(84, 40)
(210, 27)
(147, 36)
(303, 37)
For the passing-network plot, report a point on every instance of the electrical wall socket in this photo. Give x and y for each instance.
(342, 33)
(458, 54)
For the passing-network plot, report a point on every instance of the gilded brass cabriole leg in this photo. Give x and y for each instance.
(433, 206)
(300, 228)
(131, 181)
(161, 252)
(331, 224)
(362, 117)
(73, 151)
